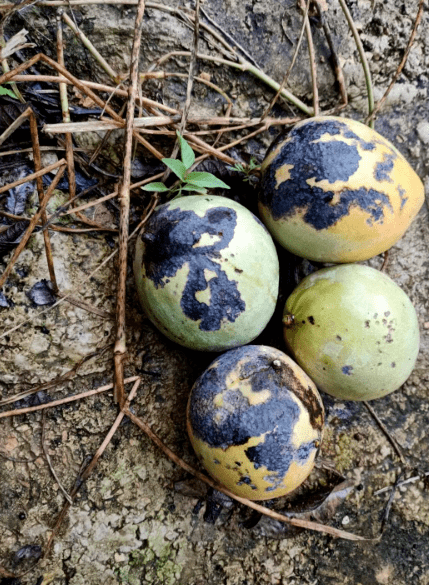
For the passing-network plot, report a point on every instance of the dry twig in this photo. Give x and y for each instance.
(262, 509)
(292, 63)
(49, 462)
(382, 426)
(31, 226)
(380, 103)
(124, 199)
(19, 411)
(363, 59)
(91, 465)
(312, 56)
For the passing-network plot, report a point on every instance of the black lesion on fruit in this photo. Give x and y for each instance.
(311, 319)
(236, 421)
(245, 480)
(332, 161)
(401, 193)
(171, 239)
(383, 169)
(347, 370)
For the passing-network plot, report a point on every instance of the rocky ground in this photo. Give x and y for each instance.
(134, 521)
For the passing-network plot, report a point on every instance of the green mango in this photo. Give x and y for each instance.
(207, 272)
(353, 331)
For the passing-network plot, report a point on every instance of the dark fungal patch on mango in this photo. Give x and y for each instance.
(383, 169)
(347, 370)
(308, 158)
(404, 199)
(309, 399)
(224, 417)
(172, 241)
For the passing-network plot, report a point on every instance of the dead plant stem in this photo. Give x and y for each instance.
(395, 78)
(312, 57)
(292, 63)
(91, 466)
(363, 59)
(31, 227)
(124, 200)
(262, 509)
(19, 411)
(39, 182)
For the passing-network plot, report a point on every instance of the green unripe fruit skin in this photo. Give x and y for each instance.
(354, 331)
(207, 272)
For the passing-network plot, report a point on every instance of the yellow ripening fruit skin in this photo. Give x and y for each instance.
(255, 420)
(354, 331)
(336, 191)
(207, 272)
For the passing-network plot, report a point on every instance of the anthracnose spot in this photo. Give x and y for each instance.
(401, 193)
(237, 421)
(347, 370)
(313, 160)
(383, 169)
(170, 240)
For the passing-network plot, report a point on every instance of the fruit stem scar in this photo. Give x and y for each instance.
(288, 320)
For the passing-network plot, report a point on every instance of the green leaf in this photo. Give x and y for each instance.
(9, 92)
(176, 166)
(158, 187)
(188, 156)
(189, 187)
(205, 180)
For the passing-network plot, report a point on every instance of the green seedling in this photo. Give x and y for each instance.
(9, 92)
(247, 170)
(194, 182)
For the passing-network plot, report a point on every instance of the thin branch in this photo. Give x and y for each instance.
(335, 60)
(230, 39)
(312, 58)
(48, 459)
(15, 124)
(292, 63)
(33, 176)
(87, 43)
(192, 68)
(380, 103)
(98, 86)
(391, 440)
(262, 509)
(39, 182)
(91, 465)
(385, 261)
(78, 288)
(403, 482)
(31, 227)
(389, 504)
(124, 200)
(56, 381)
(363, 59)
(245, 67)
(19, 411)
